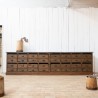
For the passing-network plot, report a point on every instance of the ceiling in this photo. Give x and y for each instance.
(48, 3)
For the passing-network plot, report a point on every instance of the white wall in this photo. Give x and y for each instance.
(50, 29)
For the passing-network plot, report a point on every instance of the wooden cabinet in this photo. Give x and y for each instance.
(49, 63)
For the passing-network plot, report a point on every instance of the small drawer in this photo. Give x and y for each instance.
(74, 56)
(22, 70)
(12, 60)
(65, 65)
(43, 66)
(33, 60)
(76, 60)
(87, 56)
(22, 60)
(43, 60)
(12, 56)
(76, 65)
(55, 66)
(22, 56)
(55, 55)
(32, 65)
(87, 60)
(22, 65)
(32, 56)
(43, 56)
(86, 65)
(43, 70)
(11, 65)
(11, 69)
(65, 55)
(32, 69)
(55, 60)
(56, 70)
(65, 60)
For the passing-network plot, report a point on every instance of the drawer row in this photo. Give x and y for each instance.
(46, 55)
(49, 70)
(49, 66)
(12, 60)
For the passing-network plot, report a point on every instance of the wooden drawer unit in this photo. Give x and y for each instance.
(50, 63)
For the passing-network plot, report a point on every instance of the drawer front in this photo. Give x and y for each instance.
(12, 60)
(22, 65)
(33, 60)
(32, 56)
(87, 60)
(12, 65)
(65, 60)
(77, 56)
(32, 66)
(75, 65)
(55, 66)
(22, 56)
(43, 70)
(56, 70)
(65, 65)
(32, 70)
(22, 60)
(55, 60)
(87, 56)
(43, 60)
(55, 55)
(65, 55)
(76, 60)
(12, 56)
(11, 69)
(22, 69)
(43, 56)
(43, 66)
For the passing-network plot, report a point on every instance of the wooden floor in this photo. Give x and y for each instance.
(47, 86)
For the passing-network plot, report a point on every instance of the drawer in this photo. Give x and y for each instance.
(43, 56)
(32, 66)
(33, 60)
(55, 66)
(76, 56)
(55, 60)
(43, 60)
(76, 60)
(22, 70)
(12, 60)
(22, 65)
(55, 55)
(22, 60)
(76, 65)
(65, 55)
(87, 60)
(56, 70)
(32, 55)
(43, 66)
(12, 56)
(32, 70)
(65, 65)
(86, 65)
(11, 69)
(43, 70)
(65, 60)
(86, 55)
(73, 69)
(22, 56)
(11, 65)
